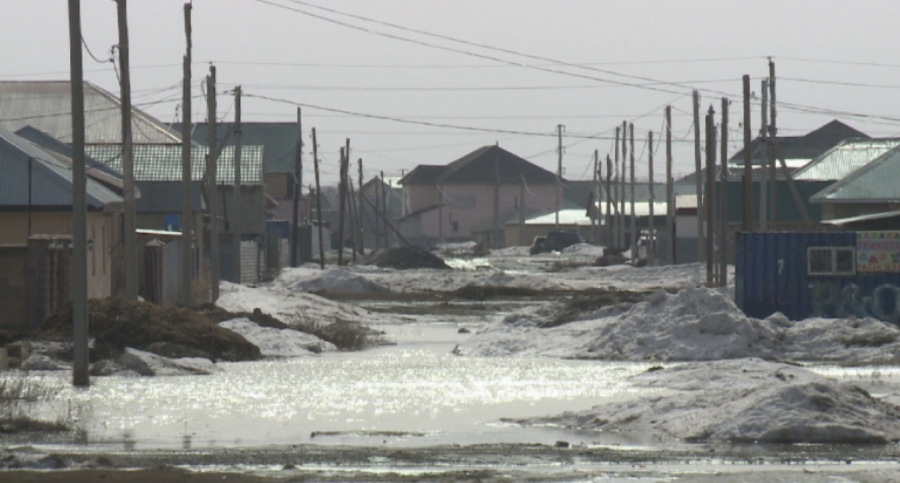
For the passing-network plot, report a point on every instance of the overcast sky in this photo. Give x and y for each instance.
(832, 56)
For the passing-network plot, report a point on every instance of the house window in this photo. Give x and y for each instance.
(831, 261)
(455, 227)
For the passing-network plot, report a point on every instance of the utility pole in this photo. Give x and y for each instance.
(634, 234)
(765, 169)
(236, 221)
(351, 211)
(298, 186)
(652, 251)
(616, 240)
(212, 182)
(670, 191)
(771, 146)
(559, 150)
(80, 375)
(129, 242)
(622, 181)
(699, 171)
(747, 195)
(387, 224)
(359, 211)
(522, 211)
(186, 247)
(598, 179)
(440, 213)
(496, 234)
(318, 199)
(610, 241)
(723, 200)
(710, 199)
(342, 188)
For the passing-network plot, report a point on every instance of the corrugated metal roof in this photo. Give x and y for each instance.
(51, 179)
(856, 219)
(47, 105)
(874, 182)
(278, 138)
(845, 158)
(163, 162)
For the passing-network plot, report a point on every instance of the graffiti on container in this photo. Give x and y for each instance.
(833, 299)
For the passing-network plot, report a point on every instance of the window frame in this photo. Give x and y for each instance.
(833, 257)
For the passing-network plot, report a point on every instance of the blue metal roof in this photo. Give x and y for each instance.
(51, 178)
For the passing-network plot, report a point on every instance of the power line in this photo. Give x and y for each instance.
(463, 88)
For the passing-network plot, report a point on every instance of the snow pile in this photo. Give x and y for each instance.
(746, 400)
(511, 252)
(693, 325)
(445, 250)
(293, 307)
(339, 281)
(583, 250)
(278, 342)
(147, 364)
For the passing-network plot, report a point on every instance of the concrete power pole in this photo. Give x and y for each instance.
(670, 192)
(236, 221)
(186, 247)
(129, 242)
(634, 235)
(318, 199)
(559, 150)
(298, 187)
(698, 172)
(652, 251)
(723, 200)
(709, 202)
(80, 375)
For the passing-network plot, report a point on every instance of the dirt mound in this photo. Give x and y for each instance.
(484, 292)
(583, 304)
(404, 258)
(116, 324)
(218, 314)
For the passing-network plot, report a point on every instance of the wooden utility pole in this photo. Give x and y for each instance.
(598, 180)
(747, 195)
(212, 181)
(359, 210)
(496, 232)
(670, 192)
(342, 188)
(187, 238)
(559, 151)
(128, 243)
(80, 375)
(616, 239)
(772, 135)
(236, 218)
(709, 202)
(698, 175)
(522, 211)
(318, 199)
(440, 213)
(351, 211)
(610, 240)
(651, 255)
(298, 187)
(634, 234)
(765, 169)
(622, 181)
(723, 200)
(385, 218)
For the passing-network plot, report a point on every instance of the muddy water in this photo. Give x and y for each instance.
(414, 393)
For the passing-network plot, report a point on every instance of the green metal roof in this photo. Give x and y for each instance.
(874, 182)
(163, 162)
(278, 138)
(845, 158)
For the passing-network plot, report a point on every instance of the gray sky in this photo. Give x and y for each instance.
(702, 44)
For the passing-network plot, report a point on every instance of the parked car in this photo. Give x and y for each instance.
(556, 240)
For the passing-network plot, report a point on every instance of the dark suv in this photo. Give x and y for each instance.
(556, 240)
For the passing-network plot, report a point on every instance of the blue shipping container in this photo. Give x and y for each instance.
(838, 274)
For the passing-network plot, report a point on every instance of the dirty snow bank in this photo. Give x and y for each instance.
(337, 281)
(293, 308)
(693, 325)
(148, 364)
(583, 250)
(278, 342)
(746, 400)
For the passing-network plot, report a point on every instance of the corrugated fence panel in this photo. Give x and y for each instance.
(773, 277)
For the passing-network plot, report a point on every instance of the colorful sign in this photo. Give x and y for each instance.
(878, 251)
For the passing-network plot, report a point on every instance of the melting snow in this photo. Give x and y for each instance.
(278, 342)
